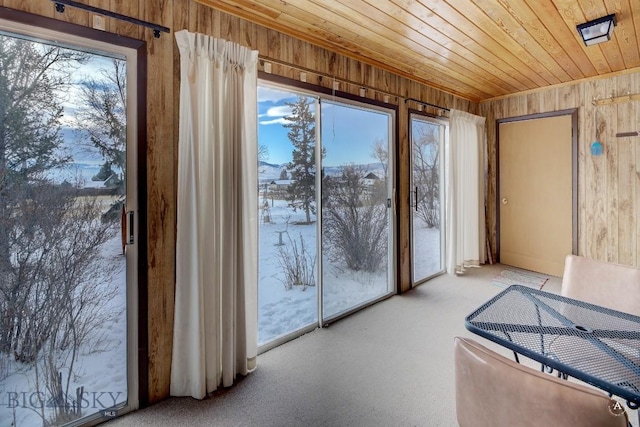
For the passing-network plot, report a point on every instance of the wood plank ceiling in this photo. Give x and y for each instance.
(476, 49)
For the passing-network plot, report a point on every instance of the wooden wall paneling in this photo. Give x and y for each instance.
(193, 15)
(533, 103)
(587, 135)
(597, 187)
(518, 106)
(228, 27)
(636, 179)
(123, 28)
(608, 116)
(403, 211)
(262, 41)
(74, 15)
(292, 54)
(204, 20)
(585, 127)
(549, 100)
(40, 7)
(626, 213)
(161, 164)
(569, 96)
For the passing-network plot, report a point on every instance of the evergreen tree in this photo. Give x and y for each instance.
(302, 168)
(283, 174)
(104, 173)
(103, 119)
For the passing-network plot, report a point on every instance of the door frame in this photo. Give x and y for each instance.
(573, 112)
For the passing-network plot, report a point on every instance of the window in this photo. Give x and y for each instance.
(69, 204)
(326, 231)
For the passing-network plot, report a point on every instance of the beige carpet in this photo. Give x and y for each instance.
(388, 365)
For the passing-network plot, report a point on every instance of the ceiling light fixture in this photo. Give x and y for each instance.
(597, 31)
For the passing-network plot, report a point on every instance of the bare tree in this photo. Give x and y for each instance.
(426, 174)
(32, 76)
(354, 228)
(380, 152)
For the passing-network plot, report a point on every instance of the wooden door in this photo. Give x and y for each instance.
(535, 193)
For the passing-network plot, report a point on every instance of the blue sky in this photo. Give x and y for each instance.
(348, 133)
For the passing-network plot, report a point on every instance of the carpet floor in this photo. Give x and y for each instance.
(390, 364)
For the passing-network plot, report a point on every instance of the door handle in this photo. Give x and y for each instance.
(504, 201)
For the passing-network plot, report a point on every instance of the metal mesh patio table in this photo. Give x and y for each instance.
(591, 343)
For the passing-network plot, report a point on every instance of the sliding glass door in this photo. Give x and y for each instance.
(356, 207)
(68, 247)
(325, 208)
(427, 137)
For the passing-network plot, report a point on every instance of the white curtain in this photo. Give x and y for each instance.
(215, 323)
(465, 169)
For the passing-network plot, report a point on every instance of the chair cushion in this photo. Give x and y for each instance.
(492, 390)
(607, 284)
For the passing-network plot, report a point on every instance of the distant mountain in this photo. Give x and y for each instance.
(270, 171)
(271, 165)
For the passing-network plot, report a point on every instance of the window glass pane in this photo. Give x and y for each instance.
(427, 249)
(63, 305)
(355, 214)
(287, 299)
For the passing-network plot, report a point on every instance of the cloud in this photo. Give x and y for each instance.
(268, 94)
(275, 115)
(278, 121)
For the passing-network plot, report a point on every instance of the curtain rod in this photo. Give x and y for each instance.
(264, 59)
(60, 6)
(426, 104)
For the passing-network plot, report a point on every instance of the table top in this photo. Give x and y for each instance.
(585, 341)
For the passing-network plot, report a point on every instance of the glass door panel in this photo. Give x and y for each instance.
(287, 289)
(427, 142)
(63, 269)
(356, 188)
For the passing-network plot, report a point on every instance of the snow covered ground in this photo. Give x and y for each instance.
(281, 311)
(103, 374)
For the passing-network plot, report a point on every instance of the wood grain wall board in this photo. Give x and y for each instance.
(566, 99)
(597, 190)
(75, 15)
(43, 8)
(612, 180)
(625, 148)
(128, 29)
(635, 88)
(533, 103)
(161, 164)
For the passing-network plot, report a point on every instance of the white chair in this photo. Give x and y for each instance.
(603, 283)
(493, 391)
